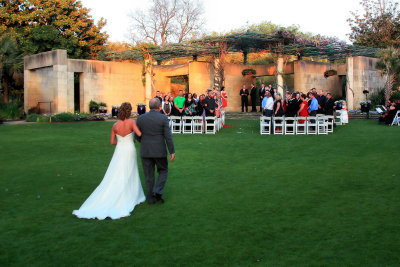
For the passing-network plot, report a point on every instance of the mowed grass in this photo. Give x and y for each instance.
(232, 199)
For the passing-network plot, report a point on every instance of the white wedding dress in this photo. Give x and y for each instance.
(120, 190)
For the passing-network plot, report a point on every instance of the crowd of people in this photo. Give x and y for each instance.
(209, 104)
(295, 104)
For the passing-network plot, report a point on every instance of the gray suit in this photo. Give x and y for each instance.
(156, 137)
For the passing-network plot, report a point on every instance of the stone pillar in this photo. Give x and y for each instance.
(279, 77)
(70, 92)
(27, 78)
(61, 99)
(350, 83)
(148, 76)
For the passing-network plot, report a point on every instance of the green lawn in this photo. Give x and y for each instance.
(235, 199)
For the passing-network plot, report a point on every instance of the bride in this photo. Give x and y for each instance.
(120, 190)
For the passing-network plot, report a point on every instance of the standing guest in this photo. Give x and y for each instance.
(179, 103)
(218, 102)
(166, 106)
(196, 99)
(158, 95)
(321, 98)
(244, 94)
(261, 93)
(303, 110)
(291, 108)
(329, 104)
(274, 92)
(278, 107)
(224, 97)
(210, 104)
(313, 108)
(173, 109)
(200, 105)
(190, 105)
(268, 104)
(344, 115)
(285, 101)
(254, 98)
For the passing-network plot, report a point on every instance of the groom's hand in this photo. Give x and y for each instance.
(171, 157)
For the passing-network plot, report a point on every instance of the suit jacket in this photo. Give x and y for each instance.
(244, 91)
(156, 135)
(262, 92)
(254, 92)
(329, 104)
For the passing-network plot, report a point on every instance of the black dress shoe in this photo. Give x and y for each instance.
(151, 200)
(159, 198)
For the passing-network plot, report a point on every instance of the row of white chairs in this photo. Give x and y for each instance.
(297, 125)
(396, 119)
(196, 124)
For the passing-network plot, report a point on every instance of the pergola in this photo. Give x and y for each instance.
(281, 42)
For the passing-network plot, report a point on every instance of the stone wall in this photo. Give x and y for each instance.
(49, 76)
(362, 75)
(309, 75)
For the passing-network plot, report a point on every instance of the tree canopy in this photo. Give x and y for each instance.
(167, 21)
(378, 25)
(42, 25)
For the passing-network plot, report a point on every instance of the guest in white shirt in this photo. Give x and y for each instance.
(268, 104)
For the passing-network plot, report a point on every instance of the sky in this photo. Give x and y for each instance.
(325, 17)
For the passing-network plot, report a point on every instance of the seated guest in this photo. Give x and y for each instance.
(209, 104)
(179, 103)
(303, 110)
(291, 108)
(268, 104)
(329, 105)
(313, 107)
(190, 105)
(166, 106)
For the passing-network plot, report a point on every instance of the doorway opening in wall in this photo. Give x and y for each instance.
(288, 81)
(77, 92)
(179, 83)
(343, 83)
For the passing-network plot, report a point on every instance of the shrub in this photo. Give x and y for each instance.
(395, 96)
(378, 97)
(11, 110)
(63, 117)
(37, 118)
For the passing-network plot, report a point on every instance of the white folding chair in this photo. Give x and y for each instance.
(322, 125)
(290, 125)
(338, 118)
(329, 123)
(211, 125)
(279, 122)
(312, 125)
(197, 124)
(187, 125)
(265, 125)
(396, 119)
(176, 124)
(301, 125)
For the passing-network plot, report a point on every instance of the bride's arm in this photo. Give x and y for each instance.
(136, 128)
(113, 140)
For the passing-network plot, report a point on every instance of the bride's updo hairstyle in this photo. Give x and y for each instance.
(124, 111)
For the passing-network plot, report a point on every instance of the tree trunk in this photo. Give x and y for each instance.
(389, 86)
(5, 91)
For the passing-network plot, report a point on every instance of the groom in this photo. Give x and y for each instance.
(156, 135)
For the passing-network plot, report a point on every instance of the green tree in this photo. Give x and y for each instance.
(10, 65)
(42, 25)
(378, 26)
(389, 63)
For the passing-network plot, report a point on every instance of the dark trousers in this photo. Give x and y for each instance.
(312, 113)
(245, 103)
(253, 104)
(268, 112)
(149, 164)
